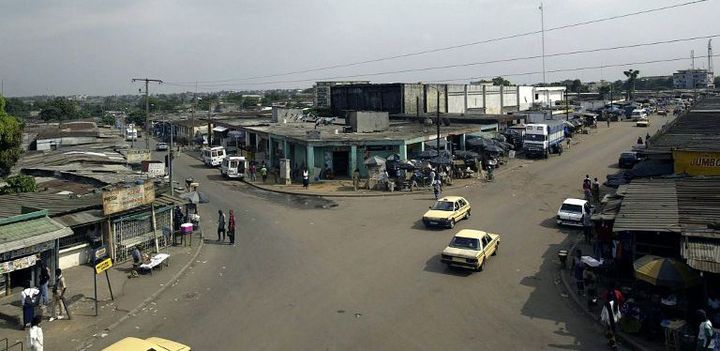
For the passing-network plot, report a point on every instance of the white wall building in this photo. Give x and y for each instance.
(693, 78)
(548, 96)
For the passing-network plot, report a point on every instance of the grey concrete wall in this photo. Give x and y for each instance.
(368, 121)
(412, 93)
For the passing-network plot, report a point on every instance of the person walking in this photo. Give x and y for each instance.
(59, 304)
(608, 121)
(221, 225)
(437, 188)
(264, 173)
(35, 335)
(253, 172)
(356, 179)
(231, 227)
(568, 140)
(28, 298)
(306, 178)
(610, 316)
(595, 190)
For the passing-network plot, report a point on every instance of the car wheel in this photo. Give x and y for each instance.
(497, 247)
(452, 224)
(481, 267)
(467, 214)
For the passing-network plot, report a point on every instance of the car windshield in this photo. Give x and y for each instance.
(571, 208)
(443, 206)
(535, 137)
(464, 243)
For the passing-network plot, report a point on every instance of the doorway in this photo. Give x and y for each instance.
(340, 160)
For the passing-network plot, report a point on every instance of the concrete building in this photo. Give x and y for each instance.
(693, 79)
(408, 98)
(322, 92)
(188, 130)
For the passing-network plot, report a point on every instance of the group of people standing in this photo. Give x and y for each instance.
(230, 231)
(33, 297)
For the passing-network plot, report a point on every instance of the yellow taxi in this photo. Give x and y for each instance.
(471, 249)
(446, 212)
(149, 344)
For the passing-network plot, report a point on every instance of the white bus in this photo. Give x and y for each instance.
(212, 157)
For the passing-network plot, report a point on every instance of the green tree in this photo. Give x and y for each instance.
(500, 81)
(108, 120)
(18, 108)
(60, 109)
(717, 81)
(20, 184)
(632, 75)
(136, 117)
(10, 140)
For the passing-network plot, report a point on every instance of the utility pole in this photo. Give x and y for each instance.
(542, 31)
(192, 117)
(147, 107)
(437, 88)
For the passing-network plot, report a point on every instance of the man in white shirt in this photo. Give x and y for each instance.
(706, 333)
(35, 336)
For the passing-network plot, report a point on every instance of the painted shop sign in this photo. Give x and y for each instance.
(697, 163)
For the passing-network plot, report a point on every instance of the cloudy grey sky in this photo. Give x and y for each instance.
(95, 47)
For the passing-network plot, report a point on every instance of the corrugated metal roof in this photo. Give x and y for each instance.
(648, 206)
(81, 218)
(702, 253)
(30, 232)
(696, 130)
(56, 204)
(669, 205)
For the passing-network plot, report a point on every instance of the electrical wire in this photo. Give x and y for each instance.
(432, 68)
(458, 46)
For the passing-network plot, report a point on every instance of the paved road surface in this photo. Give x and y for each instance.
(363, 274)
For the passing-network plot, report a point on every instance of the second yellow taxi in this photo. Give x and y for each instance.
(446, 212)
(471, 249)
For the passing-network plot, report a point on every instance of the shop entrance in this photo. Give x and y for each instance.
(340, 161)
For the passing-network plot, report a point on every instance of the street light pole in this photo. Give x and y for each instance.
(438, 118)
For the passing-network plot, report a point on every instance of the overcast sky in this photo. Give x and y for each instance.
(92, 47)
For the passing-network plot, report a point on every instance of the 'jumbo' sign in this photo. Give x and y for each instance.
(122, 198)
(697, 163)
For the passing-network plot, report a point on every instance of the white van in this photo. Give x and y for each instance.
(233, 167)
(638, 114)
(212, 157)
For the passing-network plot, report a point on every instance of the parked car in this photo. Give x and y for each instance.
(153, 343)
(470, 249)
(161, 146)
(662, 112)
(446, 212)
(628, 159)
(572, 212)
(212, 157)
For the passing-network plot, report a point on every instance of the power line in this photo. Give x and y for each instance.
(585, 68)
(470, 64)
(458, 46)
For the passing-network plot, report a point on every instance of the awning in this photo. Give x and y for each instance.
(702, 253)
(219, 129)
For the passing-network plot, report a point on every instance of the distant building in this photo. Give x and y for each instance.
(419, 98)
(322, 92)
(692, 79)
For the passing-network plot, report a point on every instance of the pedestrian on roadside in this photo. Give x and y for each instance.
(706, 333)
(231, 227)
(221, 225)
(306, 178)
(253, 171)
(608, 121)
(437, 188)
(432, 176)
(28, 298)
(264, 172)
(586, 183)
(587, 228)
(35, 335)
(59, 304)
(568, 140)
(610, 316)
(595, 189)
(356, 179)
(640, 141)
(44, 282)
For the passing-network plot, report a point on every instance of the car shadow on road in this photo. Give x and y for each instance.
(419, 225)
(550, 223)
(215, 177)
(195, 165)
(434, 265)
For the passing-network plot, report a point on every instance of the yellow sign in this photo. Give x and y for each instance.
(696, 163)
(124, 198)
(103, 265)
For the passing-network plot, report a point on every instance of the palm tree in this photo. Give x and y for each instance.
(632, 76)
